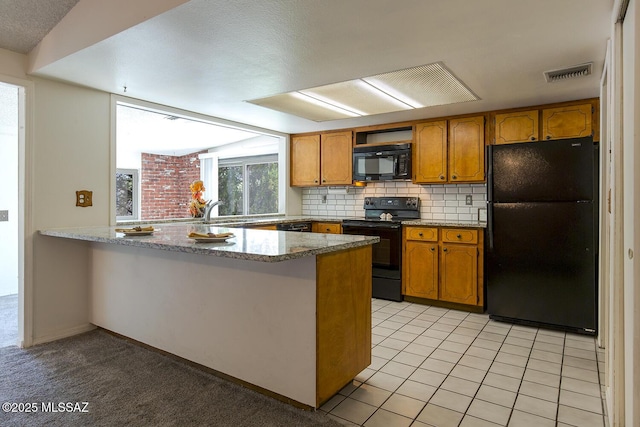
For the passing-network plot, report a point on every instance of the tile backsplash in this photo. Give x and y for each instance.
(437, 202)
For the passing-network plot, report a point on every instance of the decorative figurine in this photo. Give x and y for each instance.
(197, 203)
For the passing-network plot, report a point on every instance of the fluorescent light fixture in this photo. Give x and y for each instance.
(411, 88)
(325, 104)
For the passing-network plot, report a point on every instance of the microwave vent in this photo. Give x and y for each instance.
(568, 73)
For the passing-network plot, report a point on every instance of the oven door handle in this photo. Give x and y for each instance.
(377, 225)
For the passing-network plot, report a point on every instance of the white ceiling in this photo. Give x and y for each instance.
(211, 56)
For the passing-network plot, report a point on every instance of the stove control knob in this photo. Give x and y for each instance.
(367, 202)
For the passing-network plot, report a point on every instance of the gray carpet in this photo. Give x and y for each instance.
(128, 385)
(8, 320)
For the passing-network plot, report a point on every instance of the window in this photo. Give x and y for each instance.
(248, 185)
(127, 200)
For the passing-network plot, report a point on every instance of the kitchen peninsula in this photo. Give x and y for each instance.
(286, 313)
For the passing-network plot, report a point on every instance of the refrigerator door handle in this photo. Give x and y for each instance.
(489, 160)
(490, 225)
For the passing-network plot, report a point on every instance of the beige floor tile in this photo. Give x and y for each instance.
(496, 395)
(382, 418)
(416, 390)
(371, 395)
(439, 416)
(532, 405)
(461, 386)
(398, 369)
(539, 391)
(450, 400)
(404, 405)
(489, 412)
(353, 410)
(581, 401)
(579, 418)
(525, 419)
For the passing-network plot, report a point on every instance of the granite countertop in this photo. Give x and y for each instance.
(255, 221)
(248, 244)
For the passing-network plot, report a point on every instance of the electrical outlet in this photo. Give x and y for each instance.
(4, 216)
(324, 198)
(469, 200)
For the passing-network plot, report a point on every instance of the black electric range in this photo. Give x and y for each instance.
(383, 218)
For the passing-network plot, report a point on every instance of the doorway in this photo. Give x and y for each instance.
(9, 214)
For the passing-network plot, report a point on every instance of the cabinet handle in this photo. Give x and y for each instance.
(548, 136)
(441, 177)
(533, 138)
(459, 236)
(420, 234)
(316, 181)
(324, 180)
(432, 249)
(454, 177)
(327, 229)
(444, 249)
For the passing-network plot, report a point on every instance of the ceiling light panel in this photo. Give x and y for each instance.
(423, 86)
(357, 96)
(302, 106)
(417, 87)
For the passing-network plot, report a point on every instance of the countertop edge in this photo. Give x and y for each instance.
(204, 249)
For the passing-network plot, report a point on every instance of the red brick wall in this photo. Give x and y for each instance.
(164, 182)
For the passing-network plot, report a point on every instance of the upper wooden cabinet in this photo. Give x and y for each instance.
(336, 158)
(323, 159)
(449, 152)
(466, 149)
(429, 161)
(559, 121)
(521, 126)
(305, 160)
(567, 122)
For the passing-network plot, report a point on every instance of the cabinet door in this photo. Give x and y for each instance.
(567, 122)
(459, 274)
(516, 127)
(305, 160)
(466, 149)
(421, 269)
(337, 158)
(430, 152)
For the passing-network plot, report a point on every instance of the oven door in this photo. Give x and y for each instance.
(386, 258)
(386, 253)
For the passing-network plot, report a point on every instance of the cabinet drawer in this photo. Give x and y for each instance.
(326, 227)
(422, 233)
(459, 235)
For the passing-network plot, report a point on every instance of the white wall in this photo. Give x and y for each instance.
(68, 149)
(631, 207)
(71, 149)
(9, 189)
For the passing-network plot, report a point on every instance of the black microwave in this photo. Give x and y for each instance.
(382, 162)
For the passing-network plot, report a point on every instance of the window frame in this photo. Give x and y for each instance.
(135, 195)
(246, 161)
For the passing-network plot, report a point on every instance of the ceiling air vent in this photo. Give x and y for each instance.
(568, 73)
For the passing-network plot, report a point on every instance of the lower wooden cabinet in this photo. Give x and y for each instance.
(444, 264)
(326, 227)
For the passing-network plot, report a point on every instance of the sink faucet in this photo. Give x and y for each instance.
(209, 207)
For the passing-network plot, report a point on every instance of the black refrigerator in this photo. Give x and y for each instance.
(542, 234)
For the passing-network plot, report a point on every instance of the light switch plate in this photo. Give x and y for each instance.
(469, 200)
(4, 216)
